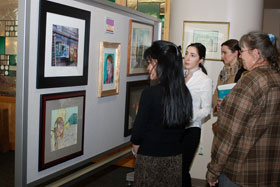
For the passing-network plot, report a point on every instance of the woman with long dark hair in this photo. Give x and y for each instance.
(164, 112)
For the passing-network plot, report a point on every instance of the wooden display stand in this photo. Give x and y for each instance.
(9, 104)
(126, 162)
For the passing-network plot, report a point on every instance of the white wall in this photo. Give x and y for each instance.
(244, 16)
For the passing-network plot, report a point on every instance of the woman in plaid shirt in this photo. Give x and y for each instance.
(246, 149)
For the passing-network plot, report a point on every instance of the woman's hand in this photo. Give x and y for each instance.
(135, 149)
(213, 183)
(219, 102)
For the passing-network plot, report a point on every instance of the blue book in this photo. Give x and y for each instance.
(224, 89)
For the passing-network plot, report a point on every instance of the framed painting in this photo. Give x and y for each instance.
(63, 45)
(133, 93)
(109, 69)
(140, 38)
(210, 34)
(62, 117)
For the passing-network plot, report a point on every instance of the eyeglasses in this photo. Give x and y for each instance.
(242, 51)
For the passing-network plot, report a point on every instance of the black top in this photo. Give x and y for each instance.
(239, 73)
(148, 130)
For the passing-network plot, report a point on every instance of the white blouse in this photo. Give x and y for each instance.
(200, 86)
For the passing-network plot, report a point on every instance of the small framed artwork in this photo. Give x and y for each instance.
(109, 69)
(63, 45)
(61, 127)
(133, 93)
(210, 34)
(140, 38)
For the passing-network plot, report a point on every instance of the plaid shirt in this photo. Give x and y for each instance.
(247, 145)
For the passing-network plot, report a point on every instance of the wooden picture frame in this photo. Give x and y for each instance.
(210, 34)
(133, 93)
(141, 36)
(63, 45)
(109, 69)
(62, 117)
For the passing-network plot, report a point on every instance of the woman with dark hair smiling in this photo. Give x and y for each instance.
(164, 111)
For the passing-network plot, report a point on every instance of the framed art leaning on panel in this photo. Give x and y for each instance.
(140, 38)
(61, 127)
(210, 34)
(133, 93)
(109, 69)
(63, 45)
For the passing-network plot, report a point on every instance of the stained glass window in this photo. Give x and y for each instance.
(11, 45)
(2, 45)
(8, 47)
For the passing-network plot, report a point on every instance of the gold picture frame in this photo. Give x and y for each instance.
(210, 34)
(109, 69)
(141, 36)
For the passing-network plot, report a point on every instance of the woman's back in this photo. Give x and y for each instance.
(149, 130)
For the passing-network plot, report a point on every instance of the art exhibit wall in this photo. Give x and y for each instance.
(104, 116)
(243, 16)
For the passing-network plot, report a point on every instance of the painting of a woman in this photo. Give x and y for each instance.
(109, 70)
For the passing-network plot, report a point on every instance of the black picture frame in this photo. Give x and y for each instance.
(133, 93)
(62, 117)
(63, 45)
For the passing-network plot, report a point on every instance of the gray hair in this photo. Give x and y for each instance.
(261, 41)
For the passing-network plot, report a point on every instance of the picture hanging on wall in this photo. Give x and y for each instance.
(61, 127)
(210, 34)
(109, 69)
(140, 38)
(133, 93)
(63, 45)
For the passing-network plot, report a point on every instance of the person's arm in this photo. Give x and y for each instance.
(233, 117)
(215, 95)
(205, 100)
(141, 119)
(219, 102)
(135, 149)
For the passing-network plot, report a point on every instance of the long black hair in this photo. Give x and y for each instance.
(201, 52)
(177, 100)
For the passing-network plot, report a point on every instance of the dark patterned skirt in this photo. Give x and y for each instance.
(158, 171)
